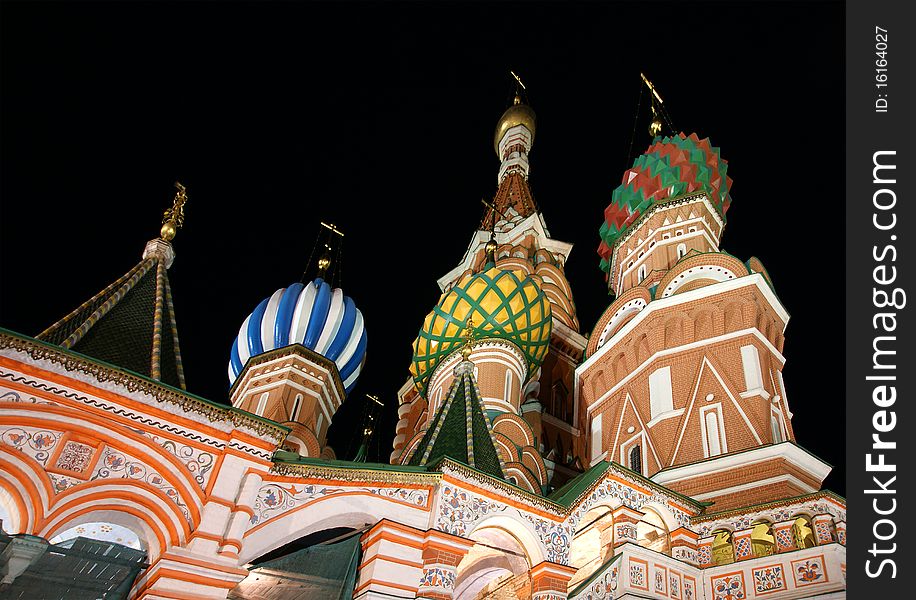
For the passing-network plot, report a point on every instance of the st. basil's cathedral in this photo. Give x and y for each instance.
(655, 458)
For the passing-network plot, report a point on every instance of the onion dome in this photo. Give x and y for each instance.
(670, 167)
(314, 315)
(517, 114)
(501, 304)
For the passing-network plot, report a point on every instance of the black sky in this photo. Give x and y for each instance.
(379, 117)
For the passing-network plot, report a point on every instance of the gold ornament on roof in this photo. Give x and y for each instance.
(468, 338)
(517, 114)
(173, 218)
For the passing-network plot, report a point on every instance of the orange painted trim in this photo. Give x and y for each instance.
(397, 586)
(215, 474)
(221, 501)
(390, 537)
(21, 507)
(157, 452)
(205, 564)
(392, 559)
(86, 388)
(172, 595)
(206, 536)
(154, 525)
(192, 578)
(118, 490)
(323, 499)
(27, 484)
(229, 554)
(232, 542)
(389, 524)
(244, 508)
(165, 520)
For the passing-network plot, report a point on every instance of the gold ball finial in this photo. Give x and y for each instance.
(168, 231)
(173, 218)
(655, 127)
(490, 249)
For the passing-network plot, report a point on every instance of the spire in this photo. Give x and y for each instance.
(461, 429)
(512, 141)
(131, 323)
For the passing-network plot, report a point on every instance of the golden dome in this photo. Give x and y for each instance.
(517, 114)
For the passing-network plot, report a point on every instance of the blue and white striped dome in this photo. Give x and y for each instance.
(314, 315)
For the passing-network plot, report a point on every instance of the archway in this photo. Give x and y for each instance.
(593, 543)
(498, 561)
(652, 532)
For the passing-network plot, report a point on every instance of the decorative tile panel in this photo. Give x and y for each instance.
(438, 577)
(660, 577)
(690, 586)
(729, 587)
(639, 576)
(809, 571)
(742, 548)
(74, 457)
(769, 579)
(674, 585)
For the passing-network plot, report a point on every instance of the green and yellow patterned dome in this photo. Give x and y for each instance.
(501, 304)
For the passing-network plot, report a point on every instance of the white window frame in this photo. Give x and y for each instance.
(720, 422)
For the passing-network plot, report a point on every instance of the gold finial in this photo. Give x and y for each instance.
(173, 218)
(325, 261)
(655, 127)
(468, 338)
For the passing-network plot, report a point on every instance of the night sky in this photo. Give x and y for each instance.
(380, 118)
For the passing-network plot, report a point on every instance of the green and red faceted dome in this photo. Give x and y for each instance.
(670, 167)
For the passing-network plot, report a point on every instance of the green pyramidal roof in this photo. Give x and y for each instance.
(130, 323)
(460, 429)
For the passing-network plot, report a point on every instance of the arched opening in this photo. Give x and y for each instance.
(102, 531)
(322, 564)
(803, 533)
(723, 553)
(497, 565)
(652, 533)
(762, 540)
(635, 458)
(593, 543)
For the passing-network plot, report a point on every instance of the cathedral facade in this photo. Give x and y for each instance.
(654, 458)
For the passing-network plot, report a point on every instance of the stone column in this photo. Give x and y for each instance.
(785, 537)
(841, 532)
(823, 529)
(704, 551)
(625, 520)
(549, 581)
(684, 545)
(390, 562)
(441, 554)
(741, 541)
(240, 516)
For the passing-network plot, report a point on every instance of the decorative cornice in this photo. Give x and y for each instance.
(768, 505)
(293, 349)
(355, 475)
(136, 383)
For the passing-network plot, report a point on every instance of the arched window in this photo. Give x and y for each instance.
(636, 458)
(762, 540)
(804, 534)
(507, 393)
(652, 533)
(713, 443)
(642, 272)
(297, 404)
(776, 428)
(681, 251)
(722, 551)
(262, 404)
